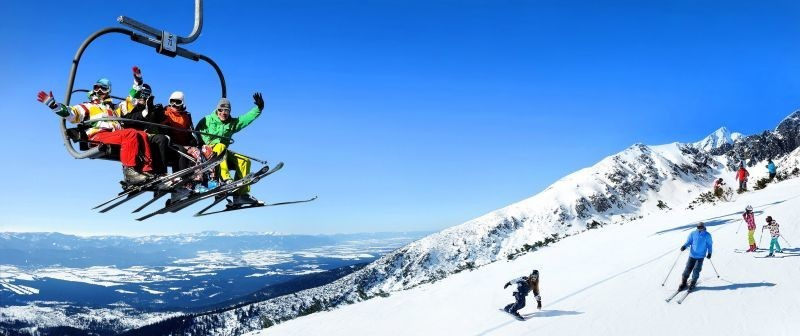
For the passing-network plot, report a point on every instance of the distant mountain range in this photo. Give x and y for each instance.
(108, 284)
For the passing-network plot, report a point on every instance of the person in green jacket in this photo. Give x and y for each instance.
(222, 124)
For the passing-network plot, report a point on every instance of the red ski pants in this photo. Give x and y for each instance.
(130, 141)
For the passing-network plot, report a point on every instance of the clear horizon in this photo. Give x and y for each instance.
(400, 116)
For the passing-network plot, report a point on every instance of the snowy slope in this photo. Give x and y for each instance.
(606, 282)
(717, 139)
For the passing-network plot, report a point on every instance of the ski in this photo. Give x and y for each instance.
(223, 190)
(519, 318)
(669, 298)
(685, 294)
(156, 196)
(154, 184)
(232, 208)
(746, 251)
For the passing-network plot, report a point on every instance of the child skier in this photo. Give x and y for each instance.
(750, 219)
(772, 225)
(524, 285)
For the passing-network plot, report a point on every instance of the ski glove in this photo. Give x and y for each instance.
(46, 99)
(708, 256)
(506, 285)
(50, 102)
(683, 248)
(258, 100)
(137, 75)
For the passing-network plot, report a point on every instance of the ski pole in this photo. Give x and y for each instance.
(671, 268)
(715, 267)
(787, 242)
(760, 236)
(740, 226)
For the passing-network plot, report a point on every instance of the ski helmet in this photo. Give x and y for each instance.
(748, 208)
(769, 219)
(104, 83)
(144, 92)
(535, 273)
(701, 226)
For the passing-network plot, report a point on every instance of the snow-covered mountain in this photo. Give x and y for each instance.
(718, 139)
(637, 183)
(607, 282)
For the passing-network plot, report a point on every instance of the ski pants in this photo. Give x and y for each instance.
(774, 244)
(131, 143)
(241, 163)
(693, 266)
(751, 239)
(158, 146)
(519, 304)
(742, 185)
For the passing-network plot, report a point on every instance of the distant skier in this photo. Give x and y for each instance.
(772, 169)
(741, 176)
(524, 285)
(772, 225)
(750, 219)
(700, 243)
(718, 187)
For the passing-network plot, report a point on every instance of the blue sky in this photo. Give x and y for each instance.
(400, 115)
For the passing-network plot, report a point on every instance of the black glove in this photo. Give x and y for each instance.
(683, 248)
(506, 285)
(258, 100)
(708, 256)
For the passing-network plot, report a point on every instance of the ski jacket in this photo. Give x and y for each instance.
(773, 229)
(718, 184)
(742, 174)
(523, 287)
(771, 168)
(750, 219)
(212, 124)
(89, 111)
(179, 119)
(700, 242)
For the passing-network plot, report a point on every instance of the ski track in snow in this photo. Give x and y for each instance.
(607, 282)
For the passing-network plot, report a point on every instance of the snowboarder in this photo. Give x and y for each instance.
(700, 243)
(741, 176)
(772, 169)
(221, 123)
(772, 225)
(133, 143)
(718, 188)
(750, 219)
(524, 285)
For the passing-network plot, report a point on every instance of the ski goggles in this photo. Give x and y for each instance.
(101, 88)
(176, 102)
(224, 110)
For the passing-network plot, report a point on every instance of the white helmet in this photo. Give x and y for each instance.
(749, 208)
(177, 99)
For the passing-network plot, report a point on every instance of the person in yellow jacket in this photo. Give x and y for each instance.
(133, 143)
(222, 124)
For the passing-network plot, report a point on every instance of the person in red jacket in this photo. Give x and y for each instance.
(741, 176)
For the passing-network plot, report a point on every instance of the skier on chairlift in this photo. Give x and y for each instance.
(132, 142)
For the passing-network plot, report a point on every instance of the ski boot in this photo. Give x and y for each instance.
(246, 199)
(134, 177)
(693, 284)
(770, 255)
(683, 284)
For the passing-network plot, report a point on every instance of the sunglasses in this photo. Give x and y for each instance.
(101, 88)
(176, 102)
(224, 110)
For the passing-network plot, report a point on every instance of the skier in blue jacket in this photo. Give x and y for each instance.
(525, 285)
(700, 246)
(772, 169)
